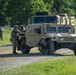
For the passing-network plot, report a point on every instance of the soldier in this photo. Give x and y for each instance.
(43, 48)
(14, 38)
(1, 32)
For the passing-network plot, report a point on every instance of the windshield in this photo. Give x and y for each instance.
(52, 19)
(48, 19)
(64, 29)
(39, 19)
(50, 29)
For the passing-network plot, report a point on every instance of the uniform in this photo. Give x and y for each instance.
(43, 48)
(14, 38)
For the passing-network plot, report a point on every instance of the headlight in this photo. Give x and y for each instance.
(61, 39)
(74, 39)
(54, 37)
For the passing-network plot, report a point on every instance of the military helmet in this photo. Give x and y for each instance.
(21, 27)
(16, 27)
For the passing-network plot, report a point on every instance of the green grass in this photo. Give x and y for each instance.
(6, 37)
(66, 66)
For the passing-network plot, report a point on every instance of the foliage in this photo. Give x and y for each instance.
(2, 19)
(62, 66)
(2, 14)
(18, 11)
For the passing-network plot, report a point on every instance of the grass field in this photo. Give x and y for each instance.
(6, 37)
(64, 66)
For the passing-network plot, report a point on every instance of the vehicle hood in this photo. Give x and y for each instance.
(65, 35)
(60, 35)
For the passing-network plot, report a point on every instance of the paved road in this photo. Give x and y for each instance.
(9, 60)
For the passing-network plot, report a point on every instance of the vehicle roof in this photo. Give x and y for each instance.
(39, 24)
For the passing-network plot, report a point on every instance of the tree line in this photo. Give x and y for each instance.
(17, 12)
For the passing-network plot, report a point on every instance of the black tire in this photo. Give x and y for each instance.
(24, 48)
(74, 52)
(51, 47)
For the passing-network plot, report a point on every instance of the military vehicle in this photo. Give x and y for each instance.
(49, 33)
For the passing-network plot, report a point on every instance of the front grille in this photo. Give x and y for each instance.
(68, 39)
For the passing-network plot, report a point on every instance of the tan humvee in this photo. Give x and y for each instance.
(49, 33)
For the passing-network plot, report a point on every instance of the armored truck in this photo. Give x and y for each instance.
(49, 33)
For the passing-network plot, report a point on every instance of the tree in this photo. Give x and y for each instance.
(63, 6)
(67, 7)
(15, 12)
(19, 11)
(57, 5)
(49, 5)
(2, 14)
(74, 6)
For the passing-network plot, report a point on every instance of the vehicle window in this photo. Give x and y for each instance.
(35, 30)
(48, 19)
(51, 19)
(39, 19)
(64, 29)
(50, 29)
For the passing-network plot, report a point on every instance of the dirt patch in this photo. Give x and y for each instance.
(6, 53)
